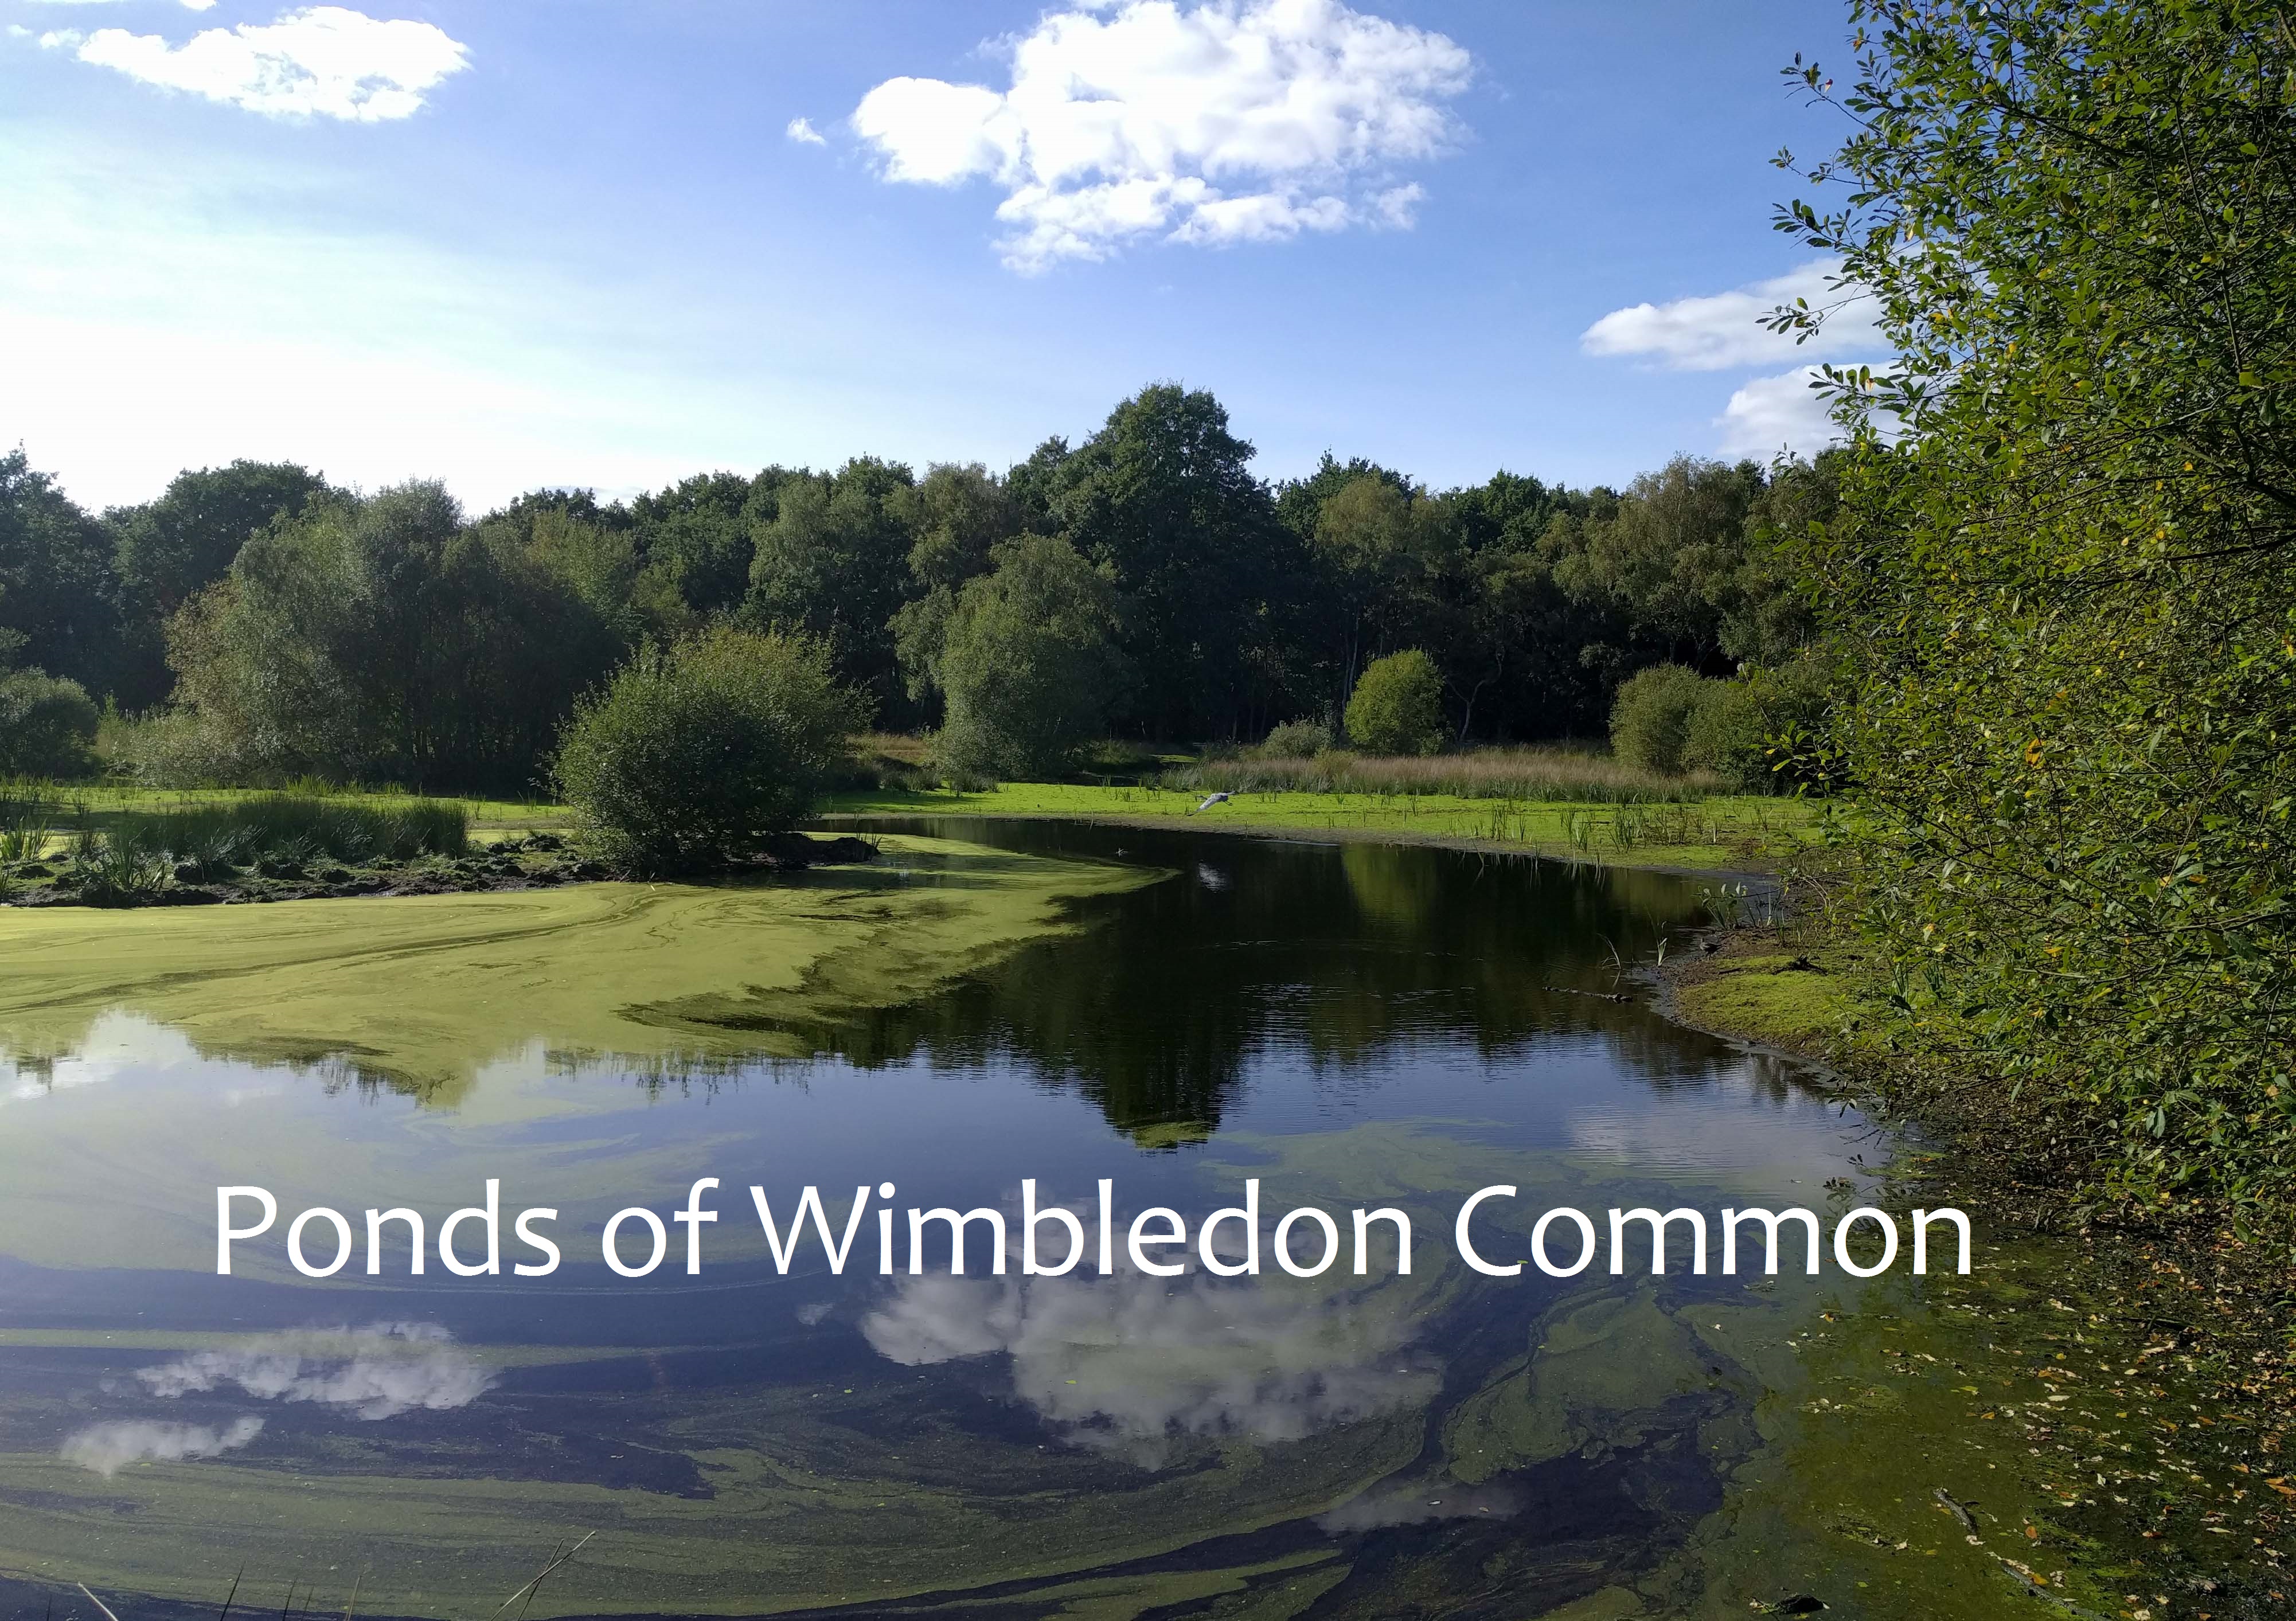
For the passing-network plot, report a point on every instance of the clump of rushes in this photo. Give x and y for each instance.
(117, 869)
(692, 757)
(296, 829)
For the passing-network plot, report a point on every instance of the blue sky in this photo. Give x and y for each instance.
(530, 243)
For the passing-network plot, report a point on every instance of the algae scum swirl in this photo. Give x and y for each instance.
(1350, 1026)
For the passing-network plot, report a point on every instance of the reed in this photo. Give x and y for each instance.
(297, 827)
(1531, 776)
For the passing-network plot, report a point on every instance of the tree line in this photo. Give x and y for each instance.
(1146, 579)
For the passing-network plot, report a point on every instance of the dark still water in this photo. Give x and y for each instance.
(1351, 1026)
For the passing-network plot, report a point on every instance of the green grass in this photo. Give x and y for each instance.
(1777, 997)
(1719, 833)
(298, 826)
(61, 806)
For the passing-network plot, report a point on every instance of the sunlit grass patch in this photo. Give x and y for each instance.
(1719, 833)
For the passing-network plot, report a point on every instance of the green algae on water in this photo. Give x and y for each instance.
(422, 992)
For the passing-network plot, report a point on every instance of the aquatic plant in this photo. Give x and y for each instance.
(295, 830)
(23, 831)
(116, 869)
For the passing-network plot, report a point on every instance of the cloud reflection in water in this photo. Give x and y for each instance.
(109, 1448)
(374, 1372)
(1126, 1366)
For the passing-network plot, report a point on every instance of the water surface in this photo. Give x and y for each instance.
(1351, 1024)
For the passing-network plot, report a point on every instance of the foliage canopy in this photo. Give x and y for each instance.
(1030, 664)
(2064, 596)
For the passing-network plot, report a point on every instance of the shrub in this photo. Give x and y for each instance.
(690, 758)
(1296, 740)
(1650, 718)
(1726, 732)
(184, 747)
(1398, 706)
(1746, 732)
(47, 726)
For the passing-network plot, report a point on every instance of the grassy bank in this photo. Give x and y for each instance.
(1719, 833)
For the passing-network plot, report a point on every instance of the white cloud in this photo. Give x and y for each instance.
(1726, 330)
(109, 1448)
(322, 60)
(376, 1372)
(1773, 413)
(1769, 414)
(1231, 120)
(802, 131)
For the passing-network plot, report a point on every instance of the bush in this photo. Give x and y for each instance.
(1725, 733)
(1650, 718)
(1296, 740)
(692, 758)
(1749, 731)
(1398, 706)
(184, 747)
(47, 726)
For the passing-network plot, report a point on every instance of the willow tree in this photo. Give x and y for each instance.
(2064, 575)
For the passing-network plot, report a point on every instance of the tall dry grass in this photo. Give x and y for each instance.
(1525, 774)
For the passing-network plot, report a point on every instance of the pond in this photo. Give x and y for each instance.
(1179, 1014)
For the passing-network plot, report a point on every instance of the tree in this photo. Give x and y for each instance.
(167, 551)
(833, 565)
(378, 638)
(58, 597)
(1299, 502)
(692, 757)
(959, 513)
(1495, 604)
(1375, 544)
(1398, 706)
(1163, 497)
(2062, 589)
(696, 539)
(1659, 561)
(1030, 664)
